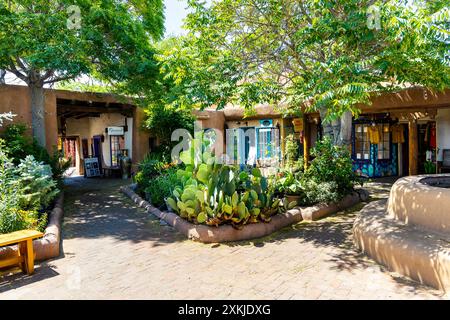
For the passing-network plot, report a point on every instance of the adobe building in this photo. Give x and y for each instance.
(403, 133)
(83, 125)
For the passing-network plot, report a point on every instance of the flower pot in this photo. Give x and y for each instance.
(292, 197)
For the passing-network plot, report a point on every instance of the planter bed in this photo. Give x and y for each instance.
(49, 245)
(226, 233)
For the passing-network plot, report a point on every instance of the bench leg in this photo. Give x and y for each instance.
(30, 257)
(22, 253)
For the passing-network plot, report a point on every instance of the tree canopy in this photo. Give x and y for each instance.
(326, 53)
(43, 42)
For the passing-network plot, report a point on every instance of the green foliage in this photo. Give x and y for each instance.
(291, 151)
(430, 167)
(25, 192)
(18, 145)
(328, 178)
(322, 52)
(114, 41)
(149, 169)
(290, 183)
(160, 187)
(332, 163)
(330, 175)
(162, 120)
(37, 185)
(213, 193)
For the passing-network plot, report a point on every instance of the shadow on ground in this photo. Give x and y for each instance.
(96, 208)
(15, 278)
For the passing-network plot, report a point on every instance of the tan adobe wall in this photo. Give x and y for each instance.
(16, 99)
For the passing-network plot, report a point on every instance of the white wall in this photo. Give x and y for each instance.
(443, 130)
(129, 137)
(87, 128)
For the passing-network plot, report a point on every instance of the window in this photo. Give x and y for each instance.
(384, 147)
(362, 144)
(268, 143)
(117, 143)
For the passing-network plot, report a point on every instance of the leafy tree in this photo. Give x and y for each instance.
(162, 120)
(43, 42)
(323, 55)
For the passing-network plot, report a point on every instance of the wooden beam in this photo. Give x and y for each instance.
(82, 115)
(413, 146)
(68, 108)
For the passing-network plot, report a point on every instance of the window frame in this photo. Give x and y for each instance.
(387, 151)
(113, 153)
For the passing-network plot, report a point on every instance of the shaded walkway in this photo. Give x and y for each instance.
(113, 250)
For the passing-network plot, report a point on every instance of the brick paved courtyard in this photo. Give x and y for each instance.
(111, 250)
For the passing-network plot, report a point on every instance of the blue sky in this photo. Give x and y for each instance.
(175, 13)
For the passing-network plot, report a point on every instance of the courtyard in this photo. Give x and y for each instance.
(113, 250)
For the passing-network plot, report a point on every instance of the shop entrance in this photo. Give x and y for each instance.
(426, 134)
(95, 135)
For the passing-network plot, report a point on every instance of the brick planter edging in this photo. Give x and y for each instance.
(226, 233)
(49, 245)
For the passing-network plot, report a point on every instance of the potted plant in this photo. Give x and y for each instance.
(291, 186)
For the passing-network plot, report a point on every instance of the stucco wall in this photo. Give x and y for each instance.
(140, 137)
(442, 130)
(17, 100)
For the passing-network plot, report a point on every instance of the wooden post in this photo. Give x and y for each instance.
(413, 147)
(306, 141)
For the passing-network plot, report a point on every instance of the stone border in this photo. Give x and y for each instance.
(226, 233)
(49, 245)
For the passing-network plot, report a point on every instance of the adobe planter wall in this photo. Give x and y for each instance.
(410, 232)
(49, 245)
(226, 233)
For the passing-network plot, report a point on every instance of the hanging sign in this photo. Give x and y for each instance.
(91, 167)
(298, 124)
(115, 131)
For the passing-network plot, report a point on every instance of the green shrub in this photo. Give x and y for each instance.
(19, 145)
(291, 151)
(328, 178)
(330, 175)
(290, 182)
(150, 168)
(25, 191)
(37, 185)
(161, 187)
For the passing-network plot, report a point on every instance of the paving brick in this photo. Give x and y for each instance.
(122, 254)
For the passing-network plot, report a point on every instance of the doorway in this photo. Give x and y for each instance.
(70, 150)
(97, 150)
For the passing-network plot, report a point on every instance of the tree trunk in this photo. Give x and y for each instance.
(339, 130)
(2, 76)
(345, 132)
(38, 111)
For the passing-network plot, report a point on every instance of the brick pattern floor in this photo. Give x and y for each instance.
(114, 250)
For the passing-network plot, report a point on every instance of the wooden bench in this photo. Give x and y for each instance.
(25, 254)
